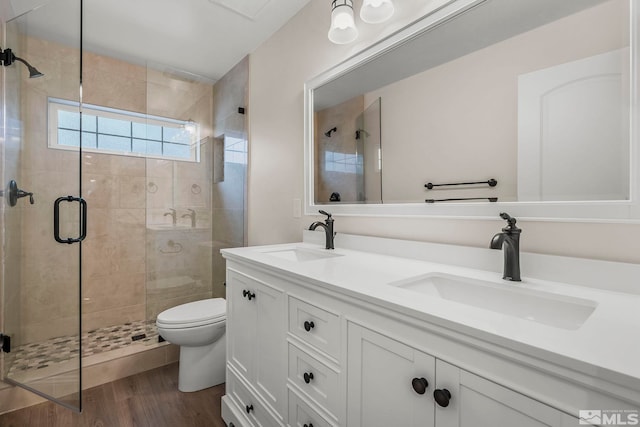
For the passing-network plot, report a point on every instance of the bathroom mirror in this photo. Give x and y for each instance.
(531, 99)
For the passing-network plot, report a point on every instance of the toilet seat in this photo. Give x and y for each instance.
(194, 314)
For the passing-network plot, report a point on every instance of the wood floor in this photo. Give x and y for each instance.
(148, 399)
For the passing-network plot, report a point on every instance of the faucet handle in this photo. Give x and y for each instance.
(325, 213)
(507, 217)
(511, 222)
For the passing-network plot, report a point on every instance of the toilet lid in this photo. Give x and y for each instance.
(198, 312)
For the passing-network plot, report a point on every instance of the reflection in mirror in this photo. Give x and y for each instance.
(348, 165)
(533, 93)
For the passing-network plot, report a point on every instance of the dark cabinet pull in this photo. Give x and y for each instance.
(309, 325)
(308, 425)
(419, 385)
(249, 408)
(442, 397)
(248, 294)
(308, 377)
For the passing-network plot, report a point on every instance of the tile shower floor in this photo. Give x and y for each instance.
(58, 350)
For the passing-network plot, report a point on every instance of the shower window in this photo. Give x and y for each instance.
(341, 162)
(113, 131)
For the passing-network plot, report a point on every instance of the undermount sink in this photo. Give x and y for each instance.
(511, 299)
(302, 254)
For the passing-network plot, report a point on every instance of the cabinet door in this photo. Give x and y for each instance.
(380, 382)
(241, 323)
(270, 363)
(256, 336)
(477, 402)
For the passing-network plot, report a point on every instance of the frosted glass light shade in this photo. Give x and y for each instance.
(343, 26)
(376, 11)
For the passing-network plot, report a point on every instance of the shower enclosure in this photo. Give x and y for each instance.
(135, 154)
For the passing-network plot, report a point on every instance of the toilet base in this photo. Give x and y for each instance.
(202, 367)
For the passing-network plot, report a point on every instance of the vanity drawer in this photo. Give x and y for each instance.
(248, 403)
(231, 413)
(315, 326)
(315, 379)
(302, 415)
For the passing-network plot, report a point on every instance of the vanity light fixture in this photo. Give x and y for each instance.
(376, 11)
(343, 25)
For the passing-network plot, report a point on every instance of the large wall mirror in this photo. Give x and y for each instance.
(526, 105)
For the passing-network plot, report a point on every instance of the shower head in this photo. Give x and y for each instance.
(7, 57)
(330, 131)
(33, 71)
(361, 132)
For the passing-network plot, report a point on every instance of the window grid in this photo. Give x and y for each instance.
(341, 162)
(182, 138)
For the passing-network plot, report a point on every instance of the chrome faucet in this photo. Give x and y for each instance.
(192, 215)
(173, 216)
(328, 229)
(509, 240)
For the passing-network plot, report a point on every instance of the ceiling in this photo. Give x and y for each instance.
(202, 37)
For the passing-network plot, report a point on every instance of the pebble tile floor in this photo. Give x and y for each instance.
(58, 350)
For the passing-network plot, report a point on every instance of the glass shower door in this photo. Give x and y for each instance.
(369, 151)
(43, 213)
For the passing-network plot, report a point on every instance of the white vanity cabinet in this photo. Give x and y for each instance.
(256, 363)
(478, 402)
(392, 383)
(303, 352)
(382, 374)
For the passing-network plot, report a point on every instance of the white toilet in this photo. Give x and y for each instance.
(199, 329)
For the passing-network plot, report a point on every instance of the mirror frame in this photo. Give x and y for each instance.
(585, 211)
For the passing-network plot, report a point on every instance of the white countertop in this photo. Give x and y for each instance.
(606, 346)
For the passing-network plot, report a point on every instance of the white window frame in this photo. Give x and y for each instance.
(56, 104)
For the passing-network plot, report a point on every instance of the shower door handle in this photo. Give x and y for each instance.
(56, 219)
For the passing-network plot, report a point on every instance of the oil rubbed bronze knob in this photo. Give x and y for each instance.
(309, 325)
(308, 377)
(419, 385)
(442, 397)
(249, 408)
